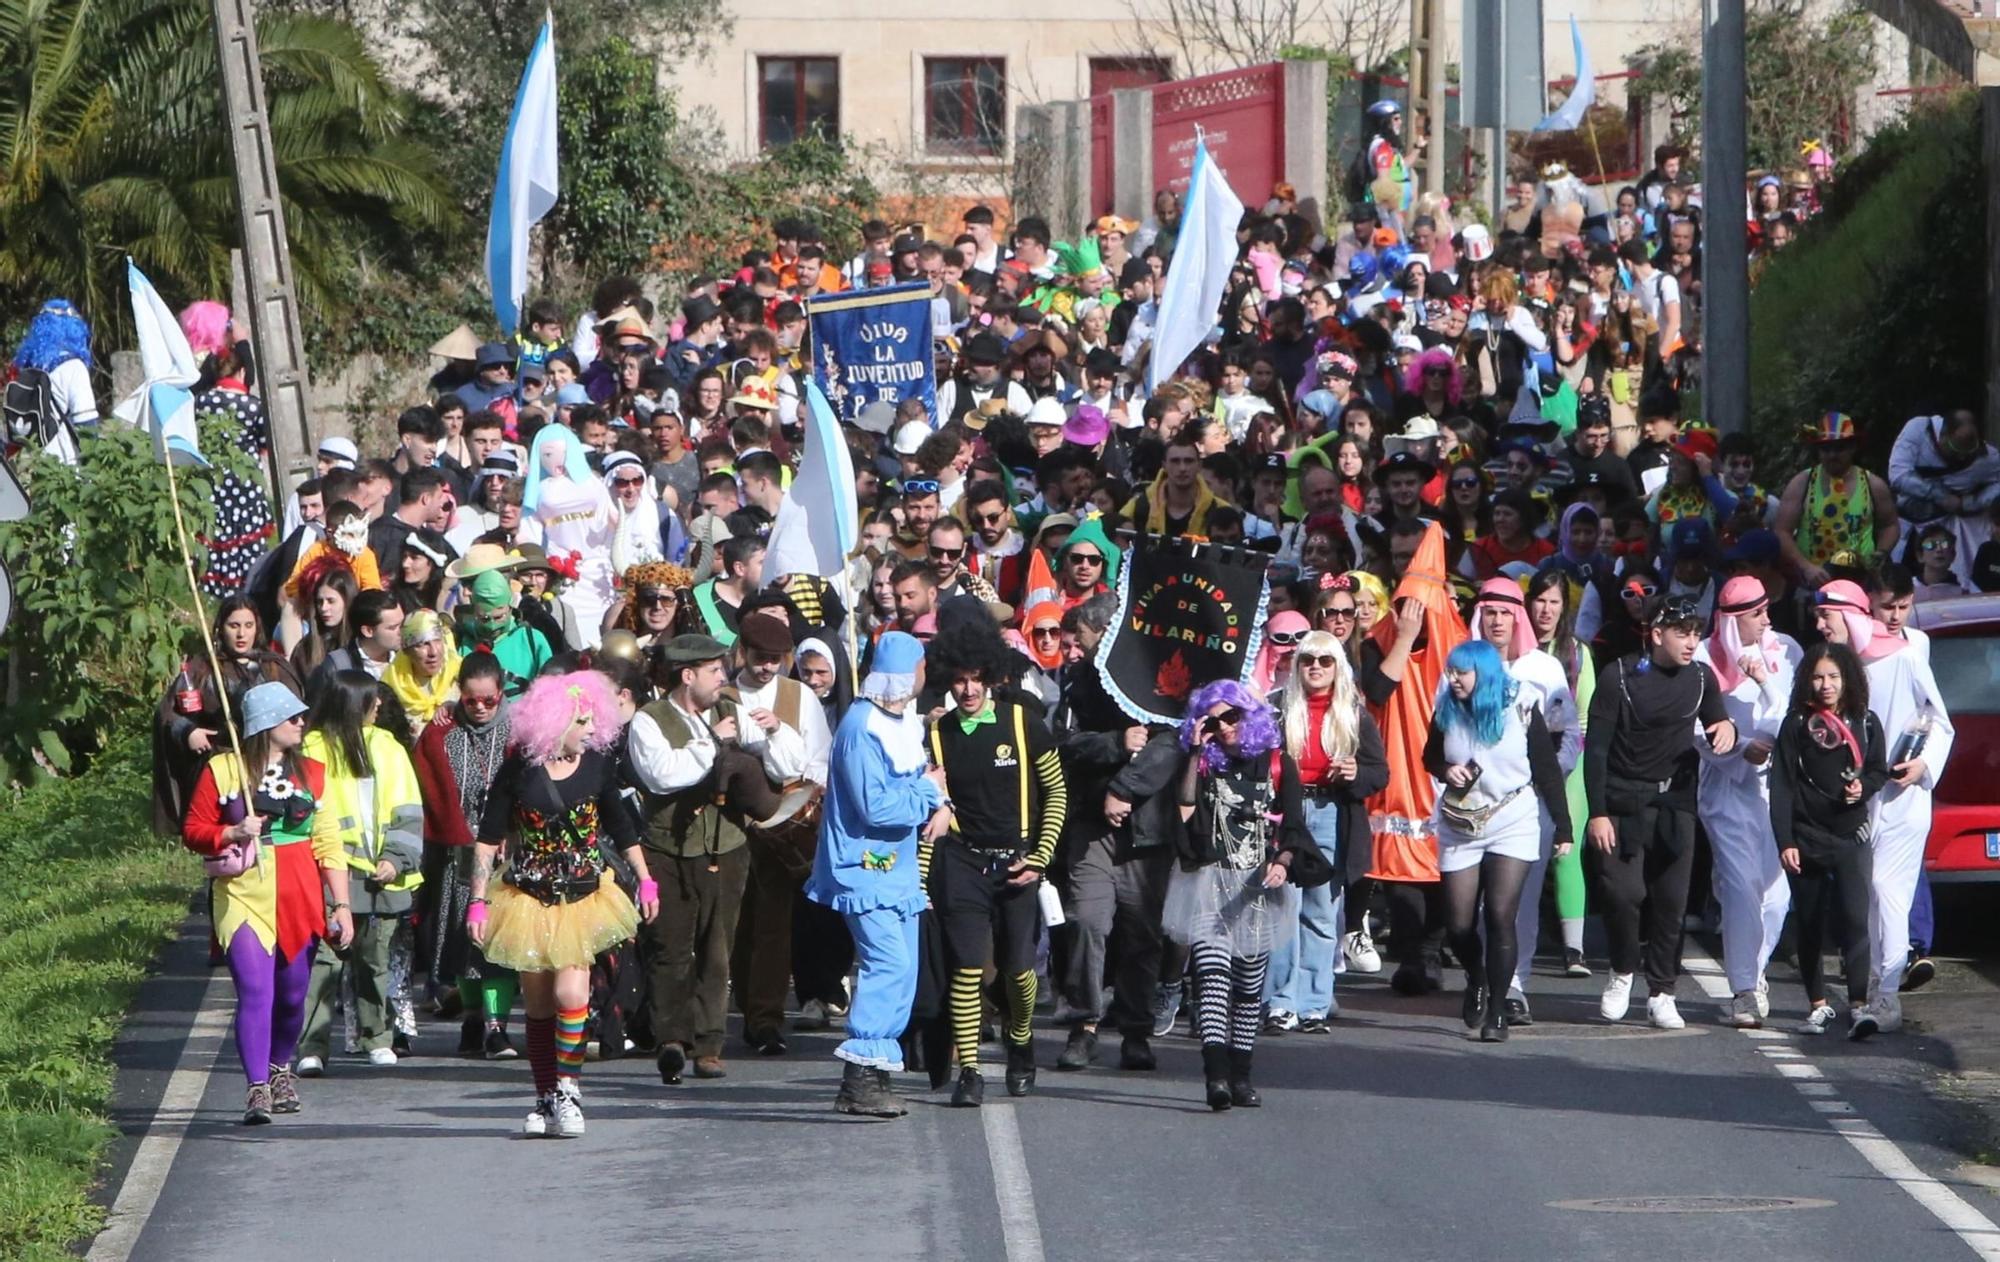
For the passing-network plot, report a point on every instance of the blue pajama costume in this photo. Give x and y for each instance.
(876, 803)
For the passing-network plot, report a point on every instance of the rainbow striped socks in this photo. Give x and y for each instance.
(569, 1040)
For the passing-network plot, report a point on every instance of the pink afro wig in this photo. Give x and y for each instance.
(207, 327)
(1413, 376)
(544, 713)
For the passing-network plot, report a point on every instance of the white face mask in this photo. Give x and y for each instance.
(352, 536)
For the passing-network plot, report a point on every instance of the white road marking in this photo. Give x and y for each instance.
(1020, 1230)
(1979, 1232)
(161, 1140)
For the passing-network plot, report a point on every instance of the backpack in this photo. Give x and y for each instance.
(30, 409)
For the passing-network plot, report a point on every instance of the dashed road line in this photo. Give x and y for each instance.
(1979, 1232)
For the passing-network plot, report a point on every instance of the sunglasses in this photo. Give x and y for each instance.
(1047, 633)
(1286, 639)
(1938, 545)
(1315, 660)
(1232, 716)
(652, 600)
(1644, 591)
(992, 519)
(1087, 558)
(921, 486)
(946, 554)
(479, 703)
(1465, 484)
(628, 481)
(1336, 611)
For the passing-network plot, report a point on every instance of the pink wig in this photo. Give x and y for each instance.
(1413, 376)
(545, 712)
(207, 327)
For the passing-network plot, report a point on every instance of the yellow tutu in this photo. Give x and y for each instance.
(529, 936)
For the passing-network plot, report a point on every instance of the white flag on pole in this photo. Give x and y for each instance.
(819, 521)
(162, 405)
(1569, 116)
(1203, 256)
(528, 181)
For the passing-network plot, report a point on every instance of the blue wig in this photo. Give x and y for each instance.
(57, 333)
(1255, 736)
(1484, 714)
(575, 462)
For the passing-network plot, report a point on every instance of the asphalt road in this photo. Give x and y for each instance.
(1392, 1138)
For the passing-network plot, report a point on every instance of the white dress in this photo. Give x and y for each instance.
(578, 517)
(1515, 830)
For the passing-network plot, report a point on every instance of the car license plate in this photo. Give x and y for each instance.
(1993, 847)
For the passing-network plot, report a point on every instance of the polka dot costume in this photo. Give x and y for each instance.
(243, 521)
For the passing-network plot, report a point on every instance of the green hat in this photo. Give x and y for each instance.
(1092, 532)
(1081, 259)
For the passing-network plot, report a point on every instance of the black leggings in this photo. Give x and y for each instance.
(1500, 879)
(1416, 922)
(1835, 887)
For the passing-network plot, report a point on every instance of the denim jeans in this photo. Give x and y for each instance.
(1301, 979)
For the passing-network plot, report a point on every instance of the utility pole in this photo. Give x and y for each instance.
(1725, 308)
(1427, 87)
(275, 332)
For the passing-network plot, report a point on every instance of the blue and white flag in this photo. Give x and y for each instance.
(527, 185)
(874, 345)
(162, 405)
(1199, 271)
(1581, 94)
(819, 521)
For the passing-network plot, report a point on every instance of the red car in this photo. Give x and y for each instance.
(1965, 657)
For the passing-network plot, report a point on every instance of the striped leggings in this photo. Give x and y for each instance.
(1228, 996)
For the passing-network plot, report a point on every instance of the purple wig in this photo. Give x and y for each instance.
(1257, 735)
(552, 704)
(1454, 382)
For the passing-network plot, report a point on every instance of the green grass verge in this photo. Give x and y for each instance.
(91, 896)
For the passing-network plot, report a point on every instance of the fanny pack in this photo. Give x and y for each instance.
(1469, 813)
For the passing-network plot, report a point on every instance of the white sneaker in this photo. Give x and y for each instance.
(1818, 1021)
(568, 1108)
(1743, 1012)
(311, 1067)
(812, 1016)
(1617, 999)
(536, 1124)
(1763, 993)
(382, 1057)
(1663, 1014)
(1360, 951)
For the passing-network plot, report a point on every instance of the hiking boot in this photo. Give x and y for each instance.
(887, 1089)
(970, 1092)
(1020, 1068)
(861, 1094)
(709, 1067)
(257, 1105)
(284, 1090)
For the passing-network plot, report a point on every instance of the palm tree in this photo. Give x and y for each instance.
(112, 143)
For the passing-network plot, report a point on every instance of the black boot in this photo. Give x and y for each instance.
(1079, 1051)
(1215, 1072)
(1407, 980)
(671, 1061)
(856, 1085)
(886, 1089)
(472, 1036)
(971, 1089)
(1136, 1052)
(1433, 970)
(1020, 1068)
(1241, 1093)
(1495, 1029)
(1474, 1009)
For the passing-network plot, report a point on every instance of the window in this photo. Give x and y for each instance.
(1108, 74)
(795, 97)
(965, 105)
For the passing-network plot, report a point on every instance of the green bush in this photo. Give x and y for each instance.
(75, 942)
(1875, 310)
(102, 602)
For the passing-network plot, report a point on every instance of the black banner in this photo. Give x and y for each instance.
(1188, 614)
